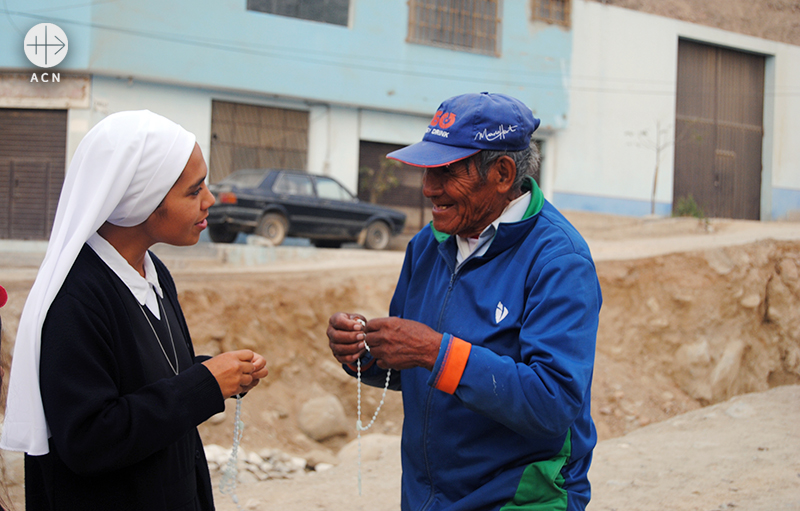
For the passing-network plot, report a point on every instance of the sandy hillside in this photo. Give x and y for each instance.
(694, 314)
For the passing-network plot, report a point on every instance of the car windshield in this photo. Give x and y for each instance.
(246, 178)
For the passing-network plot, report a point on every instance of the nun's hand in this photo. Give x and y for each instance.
(237, 372)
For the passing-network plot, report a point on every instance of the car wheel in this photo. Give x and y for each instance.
(272, 226)
(221, 233)
(377, 237)
(327, 243)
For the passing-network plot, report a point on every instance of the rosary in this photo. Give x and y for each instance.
(359, 427)
(227, 484)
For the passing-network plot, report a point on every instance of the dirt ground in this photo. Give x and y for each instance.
(694, 315)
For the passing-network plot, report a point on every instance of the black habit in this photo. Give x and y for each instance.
(123, 426)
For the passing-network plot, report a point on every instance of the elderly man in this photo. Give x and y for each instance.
(492, 327)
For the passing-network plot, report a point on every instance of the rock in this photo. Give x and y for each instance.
(726, 370)
(791, 360)
(247, 477)
(253, 459)
(719, 261)
(217, 454)
(683, 299)
(694, 354)
(750, 301)
(788, 270)
(740, 410)
(322, 467)
(652, 304)
(217, 418)
(322, 418)
(782, 302)
(692, 362)
(317, 456)
(297, 463)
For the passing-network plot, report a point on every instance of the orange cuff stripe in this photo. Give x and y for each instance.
(364, 366)
(455, 360)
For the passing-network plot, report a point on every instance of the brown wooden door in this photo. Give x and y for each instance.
(32, 160)
(719, 130)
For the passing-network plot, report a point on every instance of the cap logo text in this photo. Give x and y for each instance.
(499, 134)
(444, 120)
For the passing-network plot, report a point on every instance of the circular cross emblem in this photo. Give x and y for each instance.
(46, 45)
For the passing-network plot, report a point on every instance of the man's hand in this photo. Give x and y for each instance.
(401, 343)
(346, 337)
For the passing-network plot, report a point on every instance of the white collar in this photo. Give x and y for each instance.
(142, 288)
(514, 212)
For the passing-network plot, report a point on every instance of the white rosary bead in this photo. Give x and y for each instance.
(228, 481)
(359, 426)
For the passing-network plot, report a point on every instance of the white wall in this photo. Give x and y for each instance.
(333, 144)
(623, 81)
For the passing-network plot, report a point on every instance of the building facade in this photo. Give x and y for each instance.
(330, 87)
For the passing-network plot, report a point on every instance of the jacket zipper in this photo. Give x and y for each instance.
(429, 502)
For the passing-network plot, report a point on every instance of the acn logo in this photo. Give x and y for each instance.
(46, 45)
(444, 120)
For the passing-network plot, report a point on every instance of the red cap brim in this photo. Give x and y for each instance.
(3, 296)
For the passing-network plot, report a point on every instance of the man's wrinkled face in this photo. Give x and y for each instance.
(463, 203)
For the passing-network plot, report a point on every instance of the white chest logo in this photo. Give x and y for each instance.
(500, 312)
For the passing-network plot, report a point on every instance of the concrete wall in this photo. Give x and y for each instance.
(360, 82)
(218, 44)
(623, 83)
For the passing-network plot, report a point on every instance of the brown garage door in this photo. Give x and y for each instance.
(719, 130)
(32, 160)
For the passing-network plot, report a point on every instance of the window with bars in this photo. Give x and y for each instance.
(551, 11)
(470, 25)
(256, 137)
(326, 11)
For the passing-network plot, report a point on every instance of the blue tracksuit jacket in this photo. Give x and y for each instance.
(502, 421)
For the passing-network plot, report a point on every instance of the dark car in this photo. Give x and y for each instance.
(279, 203)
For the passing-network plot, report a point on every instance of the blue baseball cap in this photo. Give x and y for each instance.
(466, 124)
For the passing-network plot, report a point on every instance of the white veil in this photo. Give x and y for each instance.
(121, 171)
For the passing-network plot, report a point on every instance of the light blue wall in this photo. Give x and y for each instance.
(19, 16)
(785, 204)
(612, 205)
(219, 44)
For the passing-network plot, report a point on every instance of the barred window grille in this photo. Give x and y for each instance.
(552, 11)
(335, 12)
(256, 137)
(470, 25)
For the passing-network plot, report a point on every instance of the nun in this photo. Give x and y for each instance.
(105, 391)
